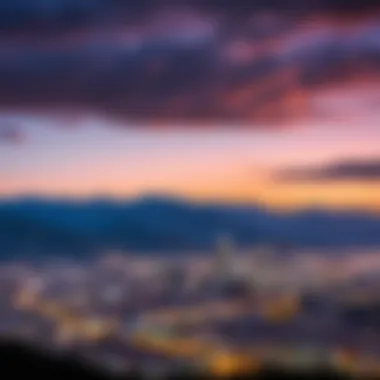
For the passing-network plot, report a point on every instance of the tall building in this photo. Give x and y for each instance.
(224, 258)
(263, 266)
(173, 278)
(227, 281)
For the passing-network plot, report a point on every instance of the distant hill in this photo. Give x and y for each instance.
(64, 227)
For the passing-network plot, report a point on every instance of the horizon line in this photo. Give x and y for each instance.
(188, 200)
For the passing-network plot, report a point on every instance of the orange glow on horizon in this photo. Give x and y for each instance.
(348, 195)
(224, 166)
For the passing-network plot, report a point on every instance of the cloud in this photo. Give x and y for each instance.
(40, 15)
(362, 170)
(137, 60)
(10, 133)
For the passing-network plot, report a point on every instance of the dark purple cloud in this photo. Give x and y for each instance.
(362, 170)
(53, 15)
(149, 60)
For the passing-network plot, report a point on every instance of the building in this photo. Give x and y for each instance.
(174, 276)
(223, 265)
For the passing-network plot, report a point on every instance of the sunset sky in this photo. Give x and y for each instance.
(95, 158)
(243, 95)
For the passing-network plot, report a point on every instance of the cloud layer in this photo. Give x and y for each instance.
(40, 15)
(362, 170)
(193, 62)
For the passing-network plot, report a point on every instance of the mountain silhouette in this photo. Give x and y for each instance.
(37, 226)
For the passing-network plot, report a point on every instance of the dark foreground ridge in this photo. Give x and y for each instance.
(20, 359)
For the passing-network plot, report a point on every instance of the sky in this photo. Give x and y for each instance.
(266, 104)
(95, 159)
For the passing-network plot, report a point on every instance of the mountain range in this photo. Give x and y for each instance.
(44, 227)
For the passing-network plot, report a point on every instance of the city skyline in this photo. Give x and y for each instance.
(192, 186)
